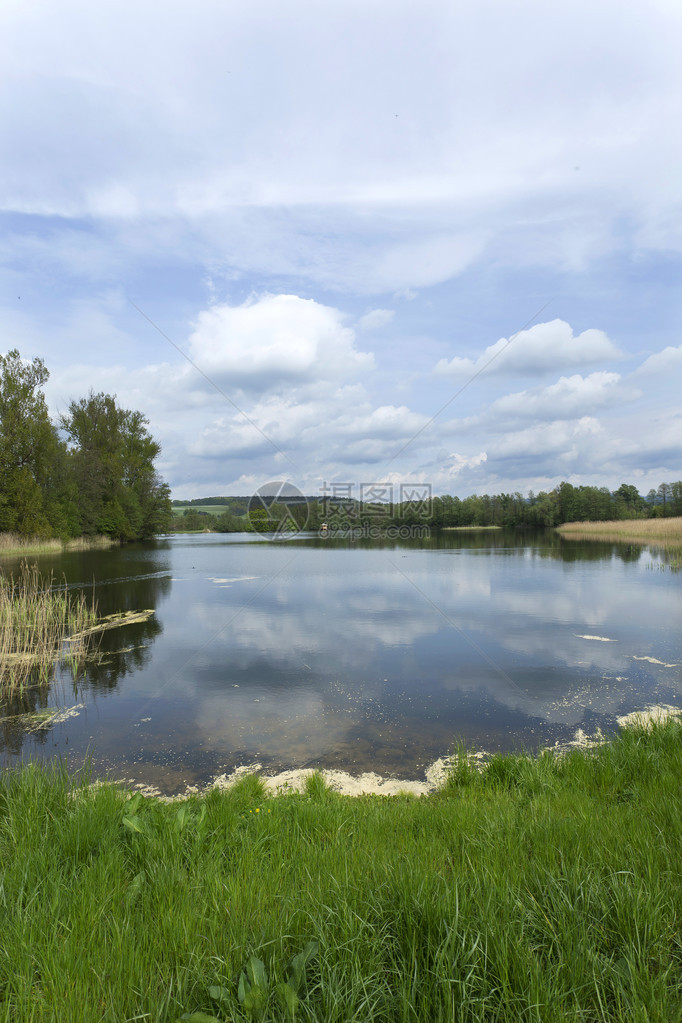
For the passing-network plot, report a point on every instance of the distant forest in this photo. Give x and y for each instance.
(565, 503)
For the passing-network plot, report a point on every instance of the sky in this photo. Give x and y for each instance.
(349, 243)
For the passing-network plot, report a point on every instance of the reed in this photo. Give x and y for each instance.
(17, 543)
(35, 620)
(90, 543)
(662, 532)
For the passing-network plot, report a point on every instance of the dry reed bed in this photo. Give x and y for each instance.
(35, 621)
(663, 532)
(17, 543)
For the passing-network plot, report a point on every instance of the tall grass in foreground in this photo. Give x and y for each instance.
(539, 890)
(35, 619)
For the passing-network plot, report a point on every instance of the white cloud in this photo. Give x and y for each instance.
(667, 361)
(561, 439)
(544, 348)
(275, 339)
(423, 262)
(376, 319)
(568, 398)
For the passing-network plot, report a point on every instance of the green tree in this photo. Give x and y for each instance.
(629, 503)
(28, 445)
(120, 492)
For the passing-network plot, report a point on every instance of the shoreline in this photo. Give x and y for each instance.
(370, 783)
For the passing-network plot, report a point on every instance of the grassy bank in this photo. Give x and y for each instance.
(541, 889)
(35, 620)
(16, 543)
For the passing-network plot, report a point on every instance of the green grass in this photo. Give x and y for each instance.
(210, 509)
(539, 890)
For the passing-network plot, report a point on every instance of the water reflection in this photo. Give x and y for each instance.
(362, 654)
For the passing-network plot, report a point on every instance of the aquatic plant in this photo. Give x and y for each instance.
(35, 620)
(18, 543)
(13, 543)
(661, 531)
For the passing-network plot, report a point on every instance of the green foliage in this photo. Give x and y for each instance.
(192, 520)
(199, 1017)
(28, 444)
(104, 482)
(259, 520)
(121, 495)
(253, 988)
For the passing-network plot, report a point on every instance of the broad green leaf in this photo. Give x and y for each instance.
(297, 971)
(132, 803)
(255, 969)
(255, 999)
(622, 968)
(135, 824)
(202, 823)
(219, 994)
(253, 986)
(311, 950)
(135, 887)
(288, 998)
(299, 962)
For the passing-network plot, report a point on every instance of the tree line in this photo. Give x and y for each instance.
(565, 503)
(90, 473)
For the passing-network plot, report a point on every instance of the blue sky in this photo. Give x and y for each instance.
(351, 216)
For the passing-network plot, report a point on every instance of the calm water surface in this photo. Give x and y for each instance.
(358, 655)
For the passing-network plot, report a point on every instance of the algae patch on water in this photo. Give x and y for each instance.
(654, 660)
(37, 720)
(113, 621)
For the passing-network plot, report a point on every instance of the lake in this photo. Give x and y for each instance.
(357, 655)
